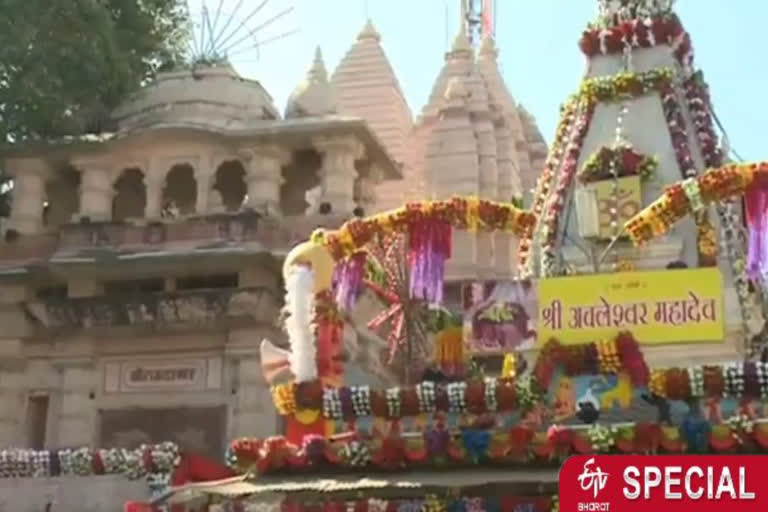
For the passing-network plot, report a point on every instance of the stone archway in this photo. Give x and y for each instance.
(300, 180)
(62, 197)
(229, 183)
(130, 199)
(180, 191)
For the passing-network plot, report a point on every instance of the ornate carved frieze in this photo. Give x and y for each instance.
(196, 308)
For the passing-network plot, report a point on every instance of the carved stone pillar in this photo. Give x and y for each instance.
(366, 189)
(338, 173)
(75, 421)
(29, 176)
(264, 176)
(96, 191)
(153, 207)
(203, 178)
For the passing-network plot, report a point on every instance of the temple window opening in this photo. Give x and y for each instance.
(180, 191)
(300, 179)
(130, 200)
(62, 197)
(230, 185)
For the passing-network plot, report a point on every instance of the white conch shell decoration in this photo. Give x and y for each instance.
(300, 304)
(275, 363)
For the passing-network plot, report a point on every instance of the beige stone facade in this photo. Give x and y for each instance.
(140, 269)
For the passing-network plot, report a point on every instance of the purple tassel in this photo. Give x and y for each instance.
(347, 280)
(428, 254)
(757, 257)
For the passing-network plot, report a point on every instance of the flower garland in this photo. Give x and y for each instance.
(460, 213)
(645, 32)
(700, 106)
(611, 13)
(602, 437)
(677, 125)
(557, 201)
(145, 461)
(478, 396)
(430, 503)
(491, 395)
(627, 161)
(625, 85)
(513, 447)
(714, 186)
(605, 356)
(544, 183)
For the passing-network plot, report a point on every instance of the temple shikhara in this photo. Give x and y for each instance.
(226, 306)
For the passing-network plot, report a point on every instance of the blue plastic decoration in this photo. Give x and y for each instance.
(476, 443)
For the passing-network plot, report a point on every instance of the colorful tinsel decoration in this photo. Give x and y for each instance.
(429, 246)
(347, 280)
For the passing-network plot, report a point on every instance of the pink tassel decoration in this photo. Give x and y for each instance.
(757, 219)
(429, 248)
(347, 279)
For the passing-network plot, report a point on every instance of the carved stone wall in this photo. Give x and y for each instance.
(198, 308)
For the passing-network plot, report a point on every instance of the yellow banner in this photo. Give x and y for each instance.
(658, 307)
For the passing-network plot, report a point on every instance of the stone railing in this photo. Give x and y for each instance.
(195, 308)
(269, 234)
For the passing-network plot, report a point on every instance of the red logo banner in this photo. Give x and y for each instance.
(698, 483)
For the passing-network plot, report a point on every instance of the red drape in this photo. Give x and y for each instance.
(194, 468)
(135, 506)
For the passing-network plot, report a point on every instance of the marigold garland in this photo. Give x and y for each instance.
(470, 213)
(714, 186)
(608, 355)
(624, 85)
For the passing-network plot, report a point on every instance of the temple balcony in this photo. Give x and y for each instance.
(163, 311)
(241, 232)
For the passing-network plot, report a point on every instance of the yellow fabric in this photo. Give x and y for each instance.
(509, 369)
(317, 257)
(449, 346)
(307, 416)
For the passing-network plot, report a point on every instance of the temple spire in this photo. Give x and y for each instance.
(318, 72)
(461, 42)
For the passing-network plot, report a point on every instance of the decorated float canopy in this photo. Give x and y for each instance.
(575, 378)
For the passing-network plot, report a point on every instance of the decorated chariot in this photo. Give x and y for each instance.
(615, 351)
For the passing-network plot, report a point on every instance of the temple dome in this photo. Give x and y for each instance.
(213, 97)
(314, 96)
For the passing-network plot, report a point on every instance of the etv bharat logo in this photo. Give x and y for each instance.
(594, 480)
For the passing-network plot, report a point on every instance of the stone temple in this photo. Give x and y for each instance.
(140, 269)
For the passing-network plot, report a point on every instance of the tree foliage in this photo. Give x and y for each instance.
(66, 64)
